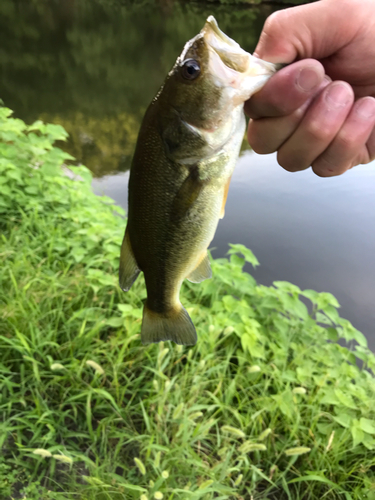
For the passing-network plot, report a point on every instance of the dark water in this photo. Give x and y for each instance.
(94, 67)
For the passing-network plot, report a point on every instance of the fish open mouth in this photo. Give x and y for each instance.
(232, 55)
(230, 63)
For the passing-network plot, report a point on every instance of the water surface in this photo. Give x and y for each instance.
(316, 233)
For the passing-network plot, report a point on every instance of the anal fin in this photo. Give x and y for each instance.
(129, 269)
(202, 271)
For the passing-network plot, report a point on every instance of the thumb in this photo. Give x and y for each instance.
(309, 31)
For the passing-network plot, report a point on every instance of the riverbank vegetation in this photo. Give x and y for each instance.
(267, 405)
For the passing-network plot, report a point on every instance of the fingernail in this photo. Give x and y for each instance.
(338, 95)
(366, 108)
(308, 79)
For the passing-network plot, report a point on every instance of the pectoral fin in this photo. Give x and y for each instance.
(187, 194)
(175, 133)
(128, 266)
(202, 271)
(226, 189)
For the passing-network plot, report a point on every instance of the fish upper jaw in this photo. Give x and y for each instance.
(231, 66)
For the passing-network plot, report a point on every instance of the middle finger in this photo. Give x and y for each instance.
(266, 135)
(318, 128)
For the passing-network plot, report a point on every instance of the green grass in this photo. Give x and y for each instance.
(267, 405)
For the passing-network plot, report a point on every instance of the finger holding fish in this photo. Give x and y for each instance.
(318, 128)
(341, 40)
(352, 144)
(283, 116)
(329, 132)
(287, 90)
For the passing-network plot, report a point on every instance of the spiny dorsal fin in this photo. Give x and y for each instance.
(128, 266)
(202, 271)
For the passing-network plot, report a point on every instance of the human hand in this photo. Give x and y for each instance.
(327, 122)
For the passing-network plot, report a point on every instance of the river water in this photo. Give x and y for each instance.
(94, 66)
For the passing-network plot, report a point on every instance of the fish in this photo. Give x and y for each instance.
(186, 151)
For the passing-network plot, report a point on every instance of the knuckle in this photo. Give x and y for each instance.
(288, 161)
(318, 131)
(298, 114)
(274, 23)
(347, 141)
(260, 142)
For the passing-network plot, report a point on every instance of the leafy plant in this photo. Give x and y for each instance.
(267, 405)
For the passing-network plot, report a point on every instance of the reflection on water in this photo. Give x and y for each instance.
(93, 66)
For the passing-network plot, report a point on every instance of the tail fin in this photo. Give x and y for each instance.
(174, 325)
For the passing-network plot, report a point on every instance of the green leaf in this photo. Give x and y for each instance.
(287, 287)
(125, 308)
(314, 477)
(285, 403)
(311, 294)
(326, 299)
(105, 394)
(248, 254)
(343, 419)
(357, 435)
(293, 305)
(115, 321)
(345, 399)
(133, 487)
(206, 484)
(332, 334)
(367, 425)
(331, 313)
(330, 398)
(368, 442)
(360, 338)
(237, 261)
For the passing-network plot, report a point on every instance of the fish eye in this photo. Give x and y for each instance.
(190, 69)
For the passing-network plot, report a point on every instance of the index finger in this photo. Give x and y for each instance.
(287, 90)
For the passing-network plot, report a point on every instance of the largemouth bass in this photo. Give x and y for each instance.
(186, 151)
